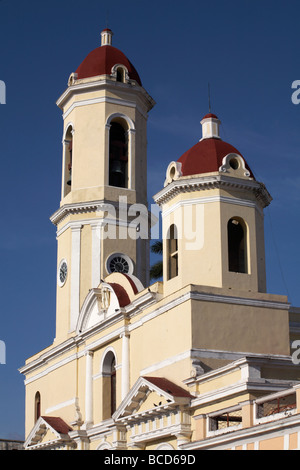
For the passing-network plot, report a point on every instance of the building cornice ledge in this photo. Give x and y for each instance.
(45, 357)
(79, 208)
(198, 183)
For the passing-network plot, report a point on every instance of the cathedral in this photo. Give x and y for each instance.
(201, 359)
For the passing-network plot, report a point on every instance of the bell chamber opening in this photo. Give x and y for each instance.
(118, 155)
(237, 245)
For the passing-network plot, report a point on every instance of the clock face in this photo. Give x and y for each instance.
(63, 271)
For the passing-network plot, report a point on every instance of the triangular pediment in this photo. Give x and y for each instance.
(151, 396)
(48, 433)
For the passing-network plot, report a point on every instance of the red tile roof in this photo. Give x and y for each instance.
(121, 293)
(168, 387)
(101, 60)
(58, 424)
(206, 157)
(210, 115)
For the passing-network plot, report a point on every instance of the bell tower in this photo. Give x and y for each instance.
(104, 179)
(213, 222)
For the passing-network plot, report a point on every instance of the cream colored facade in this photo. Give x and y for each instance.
(200, 360)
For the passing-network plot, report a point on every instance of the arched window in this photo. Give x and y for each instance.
(68, 150)
(113, 383)
(237, 245)
(118, 155)
(37, 406)
(120, 74)
(172, 254)
(109, 389)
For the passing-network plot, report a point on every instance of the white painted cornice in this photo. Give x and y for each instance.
(78, 208)
(218, 181)
(102, 82)
(145, 301)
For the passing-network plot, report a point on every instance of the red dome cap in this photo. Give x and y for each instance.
(210, 115)
(101, 60)
(206, 157)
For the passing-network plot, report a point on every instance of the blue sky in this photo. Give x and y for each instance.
(249, 53)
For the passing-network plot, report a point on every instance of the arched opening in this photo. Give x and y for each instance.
(37, 406)
(109, 389)
(113, 383)
(237, 245)
(68, 160)
(118, 155)
(120, 74)
(172, 243)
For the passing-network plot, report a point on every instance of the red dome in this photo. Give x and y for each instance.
(101, 60)
(206, 157)
(210, 115)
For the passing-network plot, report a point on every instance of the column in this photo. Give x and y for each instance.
(89, 389)
(75, 276)
(131, 159)
(96, 254)
(125, 364)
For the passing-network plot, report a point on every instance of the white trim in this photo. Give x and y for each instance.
(126, 118)
(104, 354)
(105, 99)
(239, 301)
(136, 307)
(67, 126)
(286, 442)
(101, 222)
(216, 181)
(75, 276)
(166, 362)
(89, 389)
(125, 380)
(60, 405)
(84, 207)
(212, 199)
(96, 254)
(103, 83)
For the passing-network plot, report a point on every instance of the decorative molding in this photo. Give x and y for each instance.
(78, 208)
(136, 307)
(106, 84)
(208, 200)
(200, 183)
(75, 275)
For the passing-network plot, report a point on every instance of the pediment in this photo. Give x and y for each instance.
(48, 433)
(107, 300)
(100, 304)
(150, 397)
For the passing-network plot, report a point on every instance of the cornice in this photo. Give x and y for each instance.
(149, 299)
(80, 208)
(200, 183)
(102, 82)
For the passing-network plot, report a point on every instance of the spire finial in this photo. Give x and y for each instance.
(209, 104)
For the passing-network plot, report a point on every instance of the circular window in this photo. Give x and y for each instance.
(119, 263)
(62, 272)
